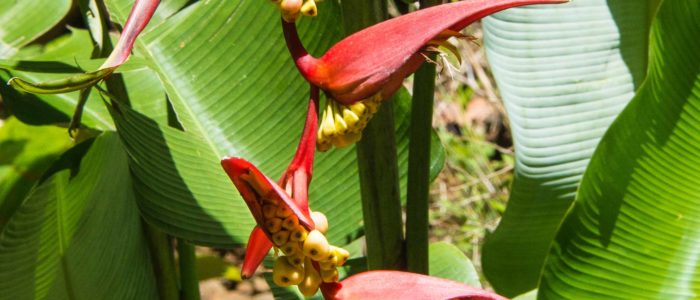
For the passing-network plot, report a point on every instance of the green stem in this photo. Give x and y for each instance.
(188, 270)
(378, 167)
(419, 166)
(163, 262)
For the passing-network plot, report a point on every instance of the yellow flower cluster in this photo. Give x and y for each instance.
(308, 258)
(342, 125)
(291, 9)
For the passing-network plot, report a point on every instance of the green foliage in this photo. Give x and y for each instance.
(448, 262)
(25, 153)
(22, 23)
(633, 232)
(565, 72)
(69, 241)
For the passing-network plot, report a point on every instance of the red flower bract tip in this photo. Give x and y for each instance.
(402, 285)
(254, 187)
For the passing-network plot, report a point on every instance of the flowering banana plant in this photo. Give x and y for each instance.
(140, 15)
(368, 67)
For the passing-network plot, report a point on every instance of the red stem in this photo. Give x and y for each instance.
(300, 170)
(307, 64)
(140, 15)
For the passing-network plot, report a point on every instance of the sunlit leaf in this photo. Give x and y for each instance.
(69, 240)
(633, 232)
(564, 72)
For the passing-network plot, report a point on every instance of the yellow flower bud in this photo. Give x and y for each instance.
(340, 126)
(316, 246)
(285, 274)
(299, 234)
(280, 238)
(327, 265)
(273, 225)
(312, 280)
(329, 275)
(341, 254)
(296, 260)
(269, 211)
(290, 223)
(358, 108)
(283, 211)
(320, 220)
(309, 8)
(350, 117)
(331, 257)
(291, 248)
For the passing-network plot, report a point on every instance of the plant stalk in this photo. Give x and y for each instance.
(188, 271)
(161, 251)
(417, 205)
(377, 162)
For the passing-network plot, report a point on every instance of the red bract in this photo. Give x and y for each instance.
(402, 285)
(378, 58)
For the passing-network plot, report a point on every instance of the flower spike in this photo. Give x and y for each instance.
(283, 218)
(369, 66)
(402, 285)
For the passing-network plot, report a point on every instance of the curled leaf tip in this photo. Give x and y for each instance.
(64, 85)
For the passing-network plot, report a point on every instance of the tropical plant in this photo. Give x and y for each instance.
(602, 97)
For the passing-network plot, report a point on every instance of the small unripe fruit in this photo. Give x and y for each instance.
(296, 260)
(342, 255)
(329, 275)
(327, 265)
(285, 274)
(273, 225)
(280, 238)
(290, 223)
(283, 211)
(331, 257)
(312, 280)
(309, 8)
(316, 246)
(291, 248)
(299, 234)
(269, 211)
(320, 221)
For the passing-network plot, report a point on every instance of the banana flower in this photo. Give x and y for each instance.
(283, 218)
(369, 66)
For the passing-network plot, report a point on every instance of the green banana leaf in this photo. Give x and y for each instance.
(564, 72)
(22, 22)
(447, 261)
(25, 153)
(633, 232)
(235, 92)
(69, 240)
